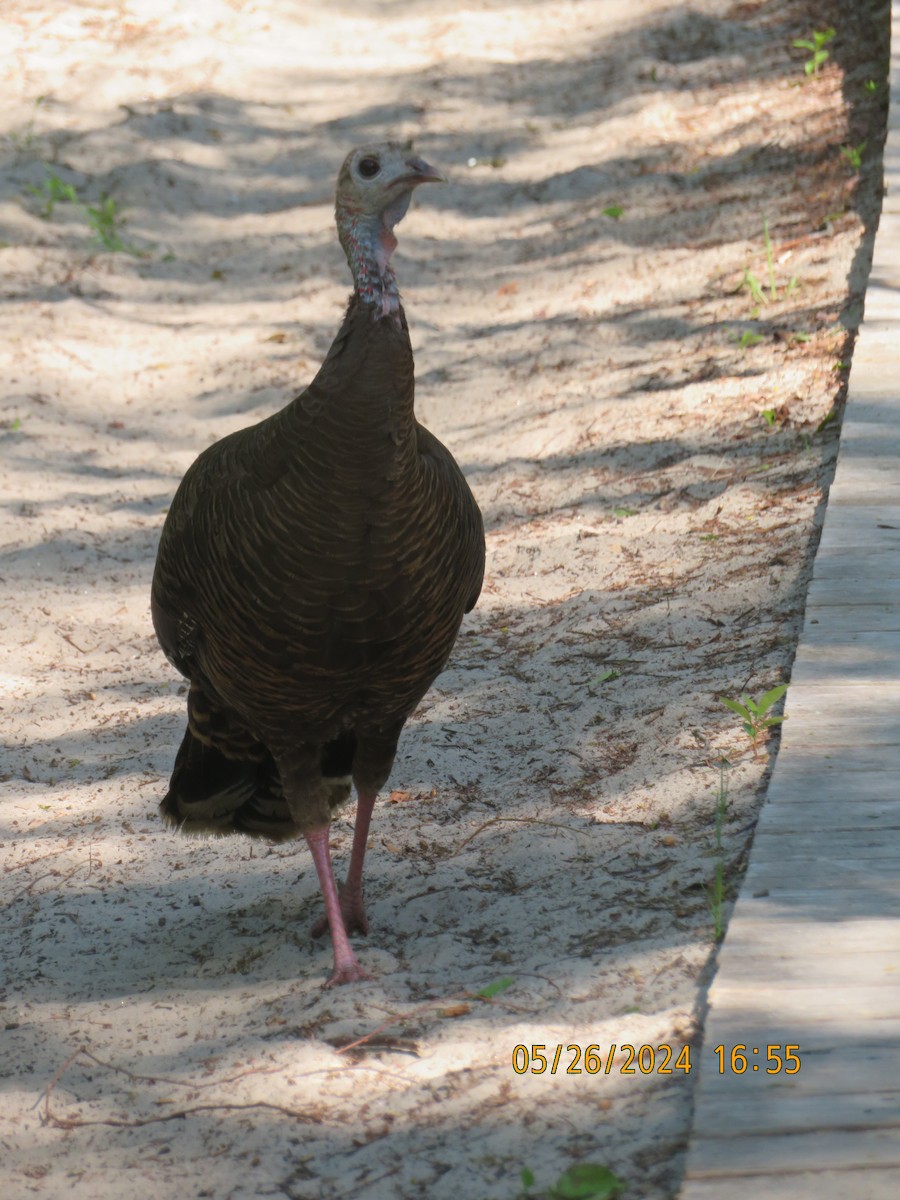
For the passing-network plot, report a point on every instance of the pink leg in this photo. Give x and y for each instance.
(351, 897)
(346, 967)
(352, 901)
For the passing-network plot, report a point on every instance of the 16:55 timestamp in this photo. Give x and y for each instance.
(779, 1060)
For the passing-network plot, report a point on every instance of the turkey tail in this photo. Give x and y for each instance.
(209, 793)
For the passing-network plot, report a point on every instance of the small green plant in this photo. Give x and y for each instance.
(816, 46)
(52, 192)
(770, 417)
(622, 512)
(853, 155)
(748, 339)
(754, 286)
(584, 1181)
(104, 219)
(614, 211)
(716, 892)
(770, 260)
(22, 139)
(871, 86)
(495, 988)
(716, 900)
(753, 712)
(609, 676)
(721, 803)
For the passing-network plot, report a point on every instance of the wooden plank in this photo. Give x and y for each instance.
(849, 658)
(850, 766)
(713, 1158)
(809, 877)
(834, 560)
(868, 642)
(860, 482)
(863, 1183)
(793, 1009)
(784, 967)
(782, 816)
(832, 700)
(850, 904)
(766, 1109)
(827, 780)
(858, 731)
(850, 616)
(729, 1026)
(825, 902)
(833, 846)
(869, 429)
(773, 928)
(771, 908)
(852, 589)
(870, 1067)
(864, 525)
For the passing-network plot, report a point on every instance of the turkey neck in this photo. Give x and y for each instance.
(368, 241)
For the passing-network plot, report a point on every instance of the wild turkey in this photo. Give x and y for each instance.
(312, 575)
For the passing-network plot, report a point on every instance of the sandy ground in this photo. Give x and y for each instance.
(652, 486)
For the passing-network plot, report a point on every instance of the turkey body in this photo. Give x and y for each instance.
(311, 578)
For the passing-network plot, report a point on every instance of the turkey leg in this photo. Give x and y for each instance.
(350, 894)
(346, 966)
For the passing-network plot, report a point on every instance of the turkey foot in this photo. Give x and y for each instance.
(348, 971)
(353, 910)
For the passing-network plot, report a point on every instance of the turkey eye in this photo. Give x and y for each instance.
(369, 167)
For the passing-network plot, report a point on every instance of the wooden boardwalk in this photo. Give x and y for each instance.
(812, 954)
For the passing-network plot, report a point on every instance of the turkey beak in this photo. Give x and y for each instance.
(421, 172)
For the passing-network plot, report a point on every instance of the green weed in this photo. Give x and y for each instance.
(584, 1181)
(755, 722)
(495, 988)
(52, 192)
(609, 676)
(104, 218)
(614, 210)
(748, 338)
(753, 286)
(716, 891)
(758, 293)
(853, 155)
(770, 260)
(816, 46)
